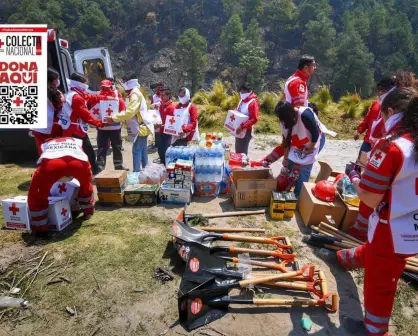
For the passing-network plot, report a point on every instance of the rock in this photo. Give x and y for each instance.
(160, 65)
(408, 312)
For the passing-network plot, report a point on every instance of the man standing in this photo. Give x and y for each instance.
(296, 87)
(166, 108)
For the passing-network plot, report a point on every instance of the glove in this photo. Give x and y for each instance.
(353, 176)
(265, 163)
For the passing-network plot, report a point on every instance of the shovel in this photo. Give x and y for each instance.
(188, 234)
(199, 308)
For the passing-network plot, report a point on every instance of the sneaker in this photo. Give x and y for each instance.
(157, 161)
(354, 326)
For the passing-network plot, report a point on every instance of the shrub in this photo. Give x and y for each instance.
(231, 102)
(218, 93)
(322, 98)
(209, 115)
(352, 105)
(201, 98)
(268, 102)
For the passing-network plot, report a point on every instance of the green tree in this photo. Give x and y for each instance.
(191, 48)
(232, 7)
(353, 70)
(253, 60)
(232, 33)
(254, 33)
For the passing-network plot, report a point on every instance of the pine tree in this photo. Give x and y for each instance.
(191, 47)
(232, 33)
(254, 33)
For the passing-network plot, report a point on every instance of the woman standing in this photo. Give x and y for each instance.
(55, 102)
(389, 185)
(302, 141)
(166, 109)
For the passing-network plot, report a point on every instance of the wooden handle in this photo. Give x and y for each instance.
(412, 263)
(225, 229)
(267, 279)
(342, 233)
(283, 302)
(276, 254)
(289, 285)
(413, 259)
(230, 214)
(272, 265)
(260, 240)
(324, 283)
(332, 247)
(342, 239)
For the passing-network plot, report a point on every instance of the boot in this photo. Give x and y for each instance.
(354, 326)
(121, 168)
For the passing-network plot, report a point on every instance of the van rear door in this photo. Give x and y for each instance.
(95, 64)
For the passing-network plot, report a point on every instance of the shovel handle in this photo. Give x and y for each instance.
(260, 240)
(276, 254)
(224, 229)
(324, 283)
(346, 236)
(279, 267)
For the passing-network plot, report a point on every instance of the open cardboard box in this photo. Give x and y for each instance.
(252, 188)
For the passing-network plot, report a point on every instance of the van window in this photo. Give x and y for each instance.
(65, 65)
(95, 71)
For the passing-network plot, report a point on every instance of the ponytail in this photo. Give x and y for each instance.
(410, 123)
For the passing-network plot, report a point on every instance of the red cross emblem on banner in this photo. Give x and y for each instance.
(96, 111)
(232, 117)
(18, 101)
(14, 209)
(64, 212)
(109, 111)
(1, 43)
(299, 143)
(172, 121)
(62, 188)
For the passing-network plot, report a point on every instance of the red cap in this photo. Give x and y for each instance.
(106, 83)
(325, 191)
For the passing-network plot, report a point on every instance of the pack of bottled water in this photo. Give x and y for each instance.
(179, 153)
(152, 174)
(209, 163)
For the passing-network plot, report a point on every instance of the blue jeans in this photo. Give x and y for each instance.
(140, 153)
(304, 170)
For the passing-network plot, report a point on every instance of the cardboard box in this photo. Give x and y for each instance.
(350, 217)
(141, 194)
(59, 213)
(173, 124)
(111, 178)
(208, 189)
(233, 120)
(252, 188)
(111, 199)
(313, 210)
(326, 173)
(67, 190)
(155, 117)
(16, 213)
(113, 190)
(108, 108)
(175, 196)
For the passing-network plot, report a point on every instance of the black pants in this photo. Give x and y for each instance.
(162, 141)
(115, 137)
(180, 142)
(89, 150)
(241, 145)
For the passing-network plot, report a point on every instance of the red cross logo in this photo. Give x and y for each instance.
(14, 209)
(18, 101)
(378, 155)
(298, 143)
(109, 111)
(232, 117)
(63, 139)
(64, 212)
(96, 111)
(172, 121)
(62, 188)
(1, 43)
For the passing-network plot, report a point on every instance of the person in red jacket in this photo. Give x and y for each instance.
(248, 106)
(166, 109)
(60, 158)
(373, 115)
(296, 87)
(75, 116)
(190, 129)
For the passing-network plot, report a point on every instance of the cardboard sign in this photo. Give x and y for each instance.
(16, 213)
(108, 108)
(155, 117)
(233, 120)
(59, 213)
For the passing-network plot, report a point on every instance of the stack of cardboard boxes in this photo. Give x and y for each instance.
(282, 204)
(177, 188)
(111, 186)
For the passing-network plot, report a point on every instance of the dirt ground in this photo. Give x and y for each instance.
(110, 310)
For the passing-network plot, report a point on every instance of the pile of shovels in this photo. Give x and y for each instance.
(327, 236)
(204, 290)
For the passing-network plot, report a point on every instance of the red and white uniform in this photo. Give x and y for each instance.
(296, 89)
(392, 237)
(249, 106)
(166, 109)
(110, 94)
(191, 128)
(75, 116)
(369, 120)
(60, 157)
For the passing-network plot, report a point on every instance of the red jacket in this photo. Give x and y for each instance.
(372, 115)
(193, 120)
(253, 110)
(296, 91)
(80, 111)
(166, 109)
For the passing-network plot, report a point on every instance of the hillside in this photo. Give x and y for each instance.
(355, 42)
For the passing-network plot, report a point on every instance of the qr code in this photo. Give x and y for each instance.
(18, 105)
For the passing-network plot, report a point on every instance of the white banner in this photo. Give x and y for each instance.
(23, 76)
